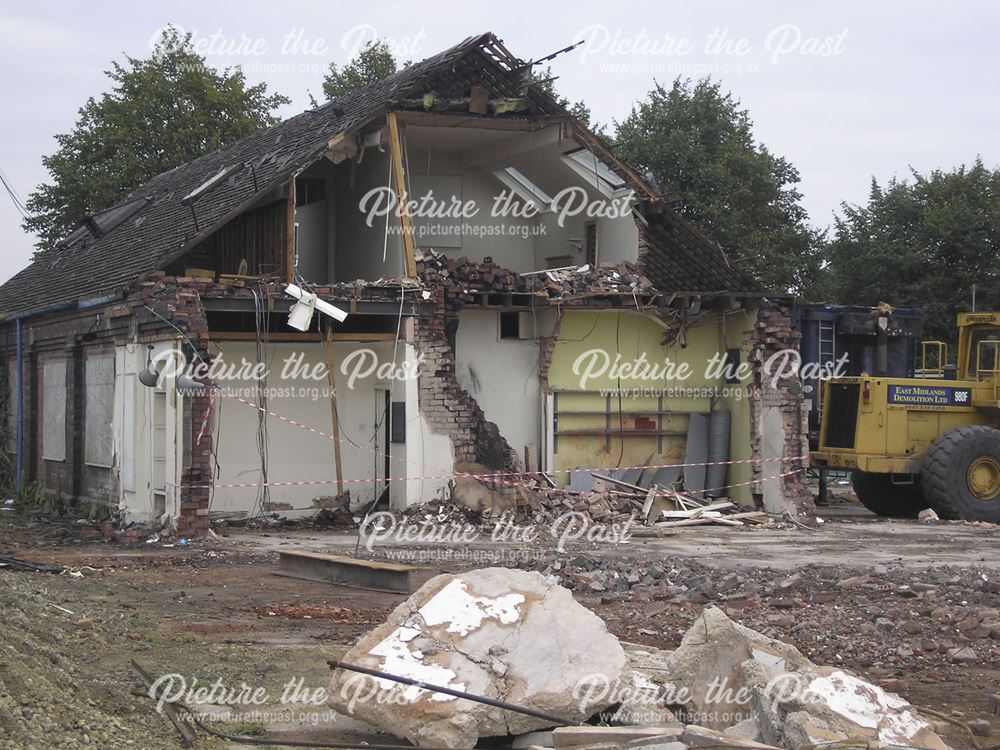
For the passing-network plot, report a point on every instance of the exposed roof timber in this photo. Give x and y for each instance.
(485, 122)
(281, 304)
(165, 229)
(493, 153)
(589, 140)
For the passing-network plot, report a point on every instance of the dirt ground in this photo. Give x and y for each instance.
(911, 607)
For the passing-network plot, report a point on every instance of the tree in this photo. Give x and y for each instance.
(373, 63)
(161, 112)
(699, 146)
(376, 61)
(580, 111)
(923, 241)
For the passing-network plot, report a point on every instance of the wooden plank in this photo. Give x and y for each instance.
(344, 571)
(400, 179)
(634, 487)
(290, 232)
(757, 516)
(649, 507)
(479, 97)
(697, 522)
(334, 416)
(305, 337)
(715, 507)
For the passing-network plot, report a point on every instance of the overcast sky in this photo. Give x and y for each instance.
(845, 91)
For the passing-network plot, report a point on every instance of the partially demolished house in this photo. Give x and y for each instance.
(517, 299)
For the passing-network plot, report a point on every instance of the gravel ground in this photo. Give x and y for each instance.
(56, 690)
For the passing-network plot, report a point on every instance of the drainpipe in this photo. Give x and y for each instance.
(20, 407)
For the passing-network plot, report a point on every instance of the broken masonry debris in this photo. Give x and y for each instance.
(497, 652)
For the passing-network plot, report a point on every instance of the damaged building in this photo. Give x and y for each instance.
(497, 264)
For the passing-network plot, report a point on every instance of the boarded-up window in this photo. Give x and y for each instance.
(10, 433)
(54, 410)
(99, 397)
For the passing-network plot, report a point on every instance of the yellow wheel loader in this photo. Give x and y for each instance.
(928, 441)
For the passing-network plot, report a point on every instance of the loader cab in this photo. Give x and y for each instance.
(978, 346)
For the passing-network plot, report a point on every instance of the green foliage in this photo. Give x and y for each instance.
(698, 144)
(543, 80)
(372, 64)
(161, 112)
(923, 241)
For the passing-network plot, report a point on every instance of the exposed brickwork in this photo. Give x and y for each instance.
(183, 302)
(446, 406)
(775, 331)
(546, 348)
(73, 335)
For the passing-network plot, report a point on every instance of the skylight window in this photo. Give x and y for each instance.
(524, 187)
(588, 165)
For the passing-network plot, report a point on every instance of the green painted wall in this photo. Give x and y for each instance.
(583, 364)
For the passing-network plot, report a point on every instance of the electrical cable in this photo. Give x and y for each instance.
(14, 197)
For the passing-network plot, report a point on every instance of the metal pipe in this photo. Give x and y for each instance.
(556, 721)
(20, 407)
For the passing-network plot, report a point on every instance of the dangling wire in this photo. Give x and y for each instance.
(262, 504)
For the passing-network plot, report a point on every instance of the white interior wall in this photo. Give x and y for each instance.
(355, 250)
(295, 454)
(502, 374)
(617, 237)
(513, 249)
(311, 242)
(430, 457)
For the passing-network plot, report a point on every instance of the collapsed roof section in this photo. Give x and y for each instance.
(165, 218)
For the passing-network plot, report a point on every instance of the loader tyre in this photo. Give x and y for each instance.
(881, 496)
(961, 474)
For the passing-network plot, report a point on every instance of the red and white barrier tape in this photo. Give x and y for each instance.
(494, 476)
(208, 413)
(314, 482)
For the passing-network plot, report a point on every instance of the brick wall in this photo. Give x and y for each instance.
(179, 300)
(74, 334)
(447, 407)
(774, 331)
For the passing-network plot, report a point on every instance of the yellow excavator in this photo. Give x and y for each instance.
(928, 441)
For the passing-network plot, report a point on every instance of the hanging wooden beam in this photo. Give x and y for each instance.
(300, 337)
(335, 417)
(400, 179)
(290, 233)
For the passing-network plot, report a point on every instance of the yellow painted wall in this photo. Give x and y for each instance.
(630, 335)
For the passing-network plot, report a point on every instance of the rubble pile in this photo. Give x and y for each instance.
(520, 638)
(543, 504)
(53, 686)
(466, 277)
(887, 621)
(620, 579)
(538, 505)
(505, 634)
(736, 678)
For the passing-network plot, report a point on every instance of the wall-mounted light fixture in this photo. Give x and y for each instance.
(149, 377)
